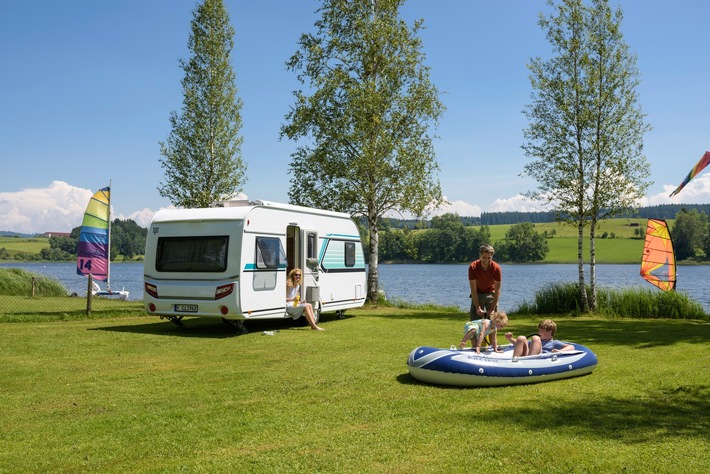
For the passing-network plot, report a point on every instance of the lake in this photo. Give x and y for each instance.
(445, 285)
(448, 284)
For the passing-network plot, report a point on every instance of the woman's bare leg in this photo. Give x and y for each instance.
(311, 318)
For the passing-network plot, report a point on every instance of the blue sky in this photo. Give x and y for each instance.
(87, 88)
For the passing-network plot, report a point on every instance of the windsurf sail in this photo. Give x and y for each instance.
(658, 261)
(94, 240)
(704, 161)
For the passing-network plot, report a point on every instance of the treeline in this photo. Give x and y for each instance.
(450, 241)
(127, 239)
(669, 211)
(661, 211)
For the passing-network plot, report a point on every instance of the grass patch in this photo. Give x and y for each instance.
(23, 245)
(137, 394)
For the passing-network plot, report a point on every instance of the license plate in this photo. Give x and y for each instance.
(186, 308)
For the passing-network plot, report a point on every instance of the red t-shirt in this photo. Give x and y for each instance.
(485, 279)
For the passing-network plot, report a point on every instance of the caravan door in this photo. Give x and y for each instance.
(311, 277)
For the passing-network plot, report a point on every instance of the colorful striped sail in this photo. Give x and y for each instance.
(94, 241)
(658, 261)
(704, 161)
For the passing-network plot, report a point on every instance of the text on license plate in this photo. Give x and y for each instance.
(186, 308)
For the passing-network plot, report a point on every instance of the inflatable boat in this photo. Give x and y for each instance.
(467, 369)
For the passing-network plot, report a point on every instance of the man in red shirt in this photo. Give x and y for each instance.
(484, 276)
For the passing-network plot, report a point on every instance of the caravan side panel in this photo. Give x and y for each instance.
(343, 278)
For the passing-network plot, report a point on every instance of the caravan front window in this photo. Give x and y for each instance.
(192, 254)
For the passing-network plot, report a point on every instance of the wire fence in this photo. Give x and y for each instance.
(32, 298)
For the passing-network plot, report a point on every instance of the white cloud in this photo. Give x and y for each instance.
(58, 208)
(695, 192)
(462, 208)
(517, 203)
(142, 217)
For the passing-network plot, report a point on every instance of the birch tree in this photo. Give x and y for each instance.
(585, 132)
(365, 116)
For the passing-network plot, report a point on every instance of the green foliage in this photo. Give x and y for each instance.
(127, 238)
(447, 241)
(202, 155)
(522, 244)
(616, 303)
(397, 246)
(137, 394)
(689, 233)
(18, 282)
(366, 114)
(585, 122)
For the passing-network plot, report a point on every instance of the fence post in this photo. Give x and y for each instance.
(89, 294)
(33, 287)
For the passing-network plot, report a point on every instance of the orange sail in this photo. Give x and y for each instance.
(658, 261)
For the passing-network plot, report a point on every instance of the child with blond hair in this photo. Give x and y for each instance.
(477, 330)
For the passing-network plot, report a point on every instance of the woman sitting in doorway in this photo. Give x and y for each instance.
(294, 306)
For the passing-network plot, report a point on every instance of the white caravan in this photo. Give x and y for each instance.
(232, 262)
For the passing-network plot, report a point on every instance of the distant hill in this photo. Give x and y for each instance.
(7, 233)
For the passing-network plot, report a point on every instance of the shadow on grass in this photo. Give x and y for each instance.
(676, 412)
(409, 314)
(213, 328)
(639, 333)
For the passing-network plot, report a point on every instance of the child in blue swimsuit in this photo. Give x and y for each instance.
(477, 330)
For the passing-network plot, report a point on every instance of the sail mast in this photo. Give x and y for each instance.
(108, 264)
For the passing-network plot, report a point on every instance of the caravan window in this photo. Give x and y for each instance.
(192, 254)
(312, 247)
(269, 253)
(349, 254)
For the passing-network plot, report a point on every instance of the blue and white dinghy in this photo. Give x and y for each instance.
(465, 368)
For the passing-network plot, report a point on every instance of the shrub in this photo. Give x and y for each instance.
(563, 298)
(18, 282)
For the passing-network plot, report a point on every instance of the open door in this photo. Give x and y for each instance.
(309, 250)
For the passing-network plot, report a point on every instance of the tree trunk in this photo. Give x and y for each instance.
(592, 268)
(580, 258)
(373, 274)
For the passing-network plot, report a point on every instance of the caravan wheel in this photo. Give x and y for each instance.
(316, 312)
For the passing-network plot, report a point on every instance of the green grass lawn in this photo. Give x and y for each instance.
(607, 250)
(137, 394)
